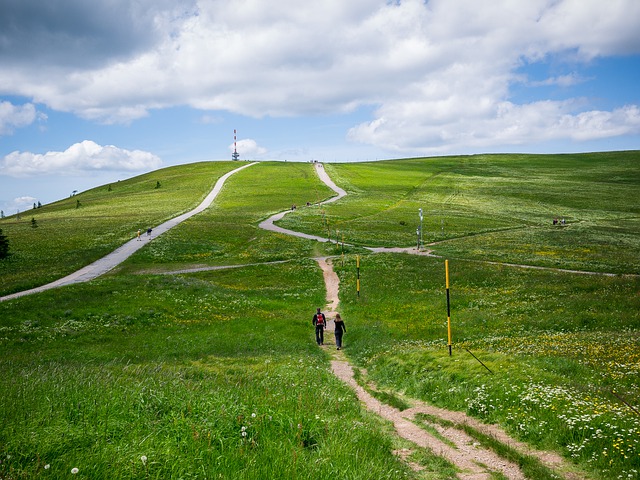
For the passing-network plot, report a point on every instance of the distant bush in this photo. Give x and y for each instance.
(4, 245)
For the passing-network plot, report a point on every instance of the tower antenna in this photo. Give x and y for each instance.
(235, 155)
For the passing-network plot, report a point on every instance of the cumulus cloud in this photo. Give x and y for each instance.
(81, 157)
(248, 148)
(15, 116)
(437, 74)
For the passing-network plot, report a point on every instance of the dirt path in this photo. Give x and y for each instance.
(473, 461)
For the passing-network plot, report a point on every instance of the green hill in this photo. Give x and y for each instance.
(214, 374)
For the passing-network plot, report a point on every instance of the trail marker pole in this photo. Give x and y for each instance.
(446, 268)
(342, 249)
(421, 244)
(358, 270)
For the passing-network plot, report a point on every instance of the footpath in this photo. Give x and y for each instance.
(115, 258)
(473, 461)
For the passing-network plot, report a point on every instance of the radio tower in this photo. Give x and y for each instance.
(235, 155)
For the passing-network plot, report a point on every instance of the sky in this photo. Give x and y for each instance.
(92, 92)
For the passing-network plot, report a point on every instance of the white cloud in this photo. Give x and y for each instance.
(248, 149)
(438, 73)
(13, 116)
(20, 204)
(562, 81)
(85, 156)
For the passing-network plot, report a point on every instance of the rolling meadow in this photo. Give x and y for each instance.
(155, 371)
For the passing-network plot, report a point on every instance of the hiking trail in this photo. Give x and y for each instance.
(473, 461)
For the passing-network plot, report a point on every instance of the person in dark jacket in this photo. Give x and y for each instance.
(320, 322)
(340, 329)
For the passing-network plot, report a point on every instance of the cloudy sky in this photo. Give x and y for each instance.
(94, 91)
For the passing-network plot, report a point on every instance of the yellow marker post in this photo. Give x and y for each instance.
(446, 268)
(358, 269)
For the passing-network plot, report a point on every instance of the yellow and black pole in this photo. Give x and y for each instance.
(446, 268)
(358, 270)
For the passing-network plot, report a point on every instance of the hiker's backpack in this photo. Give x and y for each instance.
(320, 319)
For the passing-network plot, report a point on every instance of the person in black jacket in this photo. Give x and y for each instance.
(340, 329)
(320, 322)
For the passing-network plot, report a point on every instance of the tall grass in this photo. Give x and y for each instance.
(200, 376)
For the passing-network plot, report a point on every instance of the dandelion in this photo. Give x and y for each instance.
(253, 415)
(47, 466)
(74, 470)
(143, 458)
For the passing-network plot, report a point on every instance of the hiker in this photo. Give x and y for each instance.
(149, 232)
(138, 234)
(320, 322)
(340, 329)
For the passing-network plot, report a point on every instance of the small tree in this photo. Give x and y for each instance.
(78, 204)
(4, 246)
(109, 189)
(1, 213)
(39, 205)
(158, 184)
(34, 205)
(34, 223)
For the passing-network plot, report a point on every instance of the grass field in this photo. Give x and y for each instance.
(495, 207)
(215, 374)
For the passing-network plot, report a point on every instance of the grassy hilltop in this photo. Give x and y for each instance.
(147, 374)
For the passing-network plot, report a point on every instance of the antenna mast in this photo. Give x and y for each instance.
(235, 155)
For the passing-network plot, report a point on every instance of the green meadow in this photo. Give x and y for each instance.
(148, 373)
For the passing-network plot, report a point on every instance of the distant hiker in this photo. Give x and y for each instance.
(320, 322)
(340, 329)
(148, 232)
(138, 234)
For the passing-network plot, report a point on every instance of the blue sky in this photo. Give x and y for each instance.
(92, 92)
